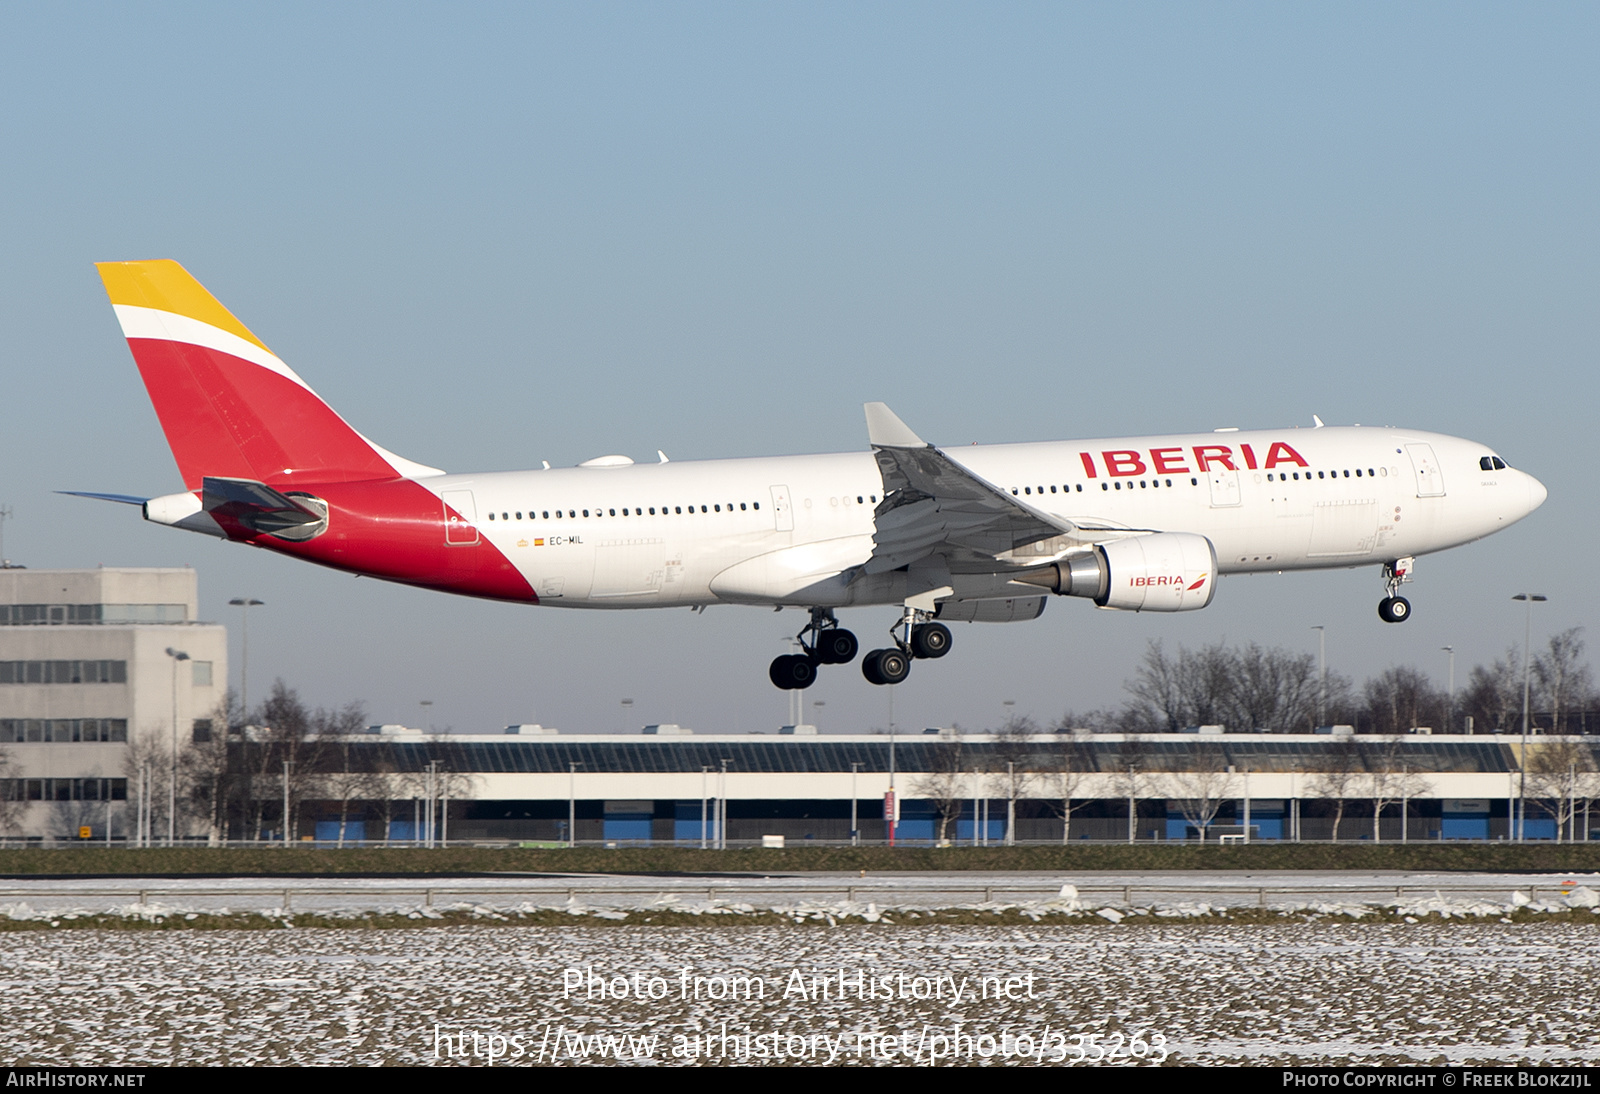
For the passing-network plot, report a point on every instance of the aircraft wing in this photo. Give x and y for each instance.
(934, 506)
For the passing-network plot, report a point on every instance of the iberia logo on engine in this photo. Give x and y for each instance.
(1166, 579)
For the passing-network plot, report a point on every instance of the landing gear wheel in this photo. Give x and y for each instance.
(930, 640)
(793, 672)
(869, 667)
(885, 667)
(836, 646)
(1394, 609)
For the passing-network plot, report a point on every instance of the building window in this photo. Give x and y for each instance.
(63, 672)
(202, 673)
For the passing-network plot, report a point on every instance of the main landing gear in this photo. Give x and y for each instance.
(1393, 608)
(915, 636)
(830, 644)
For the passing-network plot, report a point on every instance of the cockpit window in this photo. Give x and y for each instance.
(1491, 463)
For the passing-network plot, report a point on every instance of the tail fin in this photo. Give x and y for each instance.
(230, 408)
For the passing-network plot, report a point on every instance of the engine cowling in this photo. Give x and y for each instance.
(1162, 572)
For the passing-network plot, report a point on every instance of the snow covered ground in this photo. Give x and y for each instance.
(1328, 990)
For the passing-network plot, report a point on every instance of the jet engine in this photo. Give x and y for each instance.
(1161, 572)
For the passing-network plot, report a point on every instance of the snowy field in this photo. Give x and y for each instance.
(1325, 991)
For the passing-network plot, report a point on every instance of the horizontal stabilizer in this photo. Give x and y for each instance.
(244, 505)
(125, 499)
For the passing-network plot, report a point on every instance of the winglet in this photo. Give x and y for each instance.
(886, 430)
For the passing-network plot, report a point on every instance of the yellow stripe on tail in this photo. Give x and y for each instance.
(164, 285)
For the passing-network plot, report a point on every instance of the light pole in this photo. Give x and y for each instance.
(891, 803)
(705, 795)
(1247, 805)
(1011, 803)
(722, 807)
(431, 826)
(1133, 806)
(855, 831)
(1450, 702)
(572, 803)
(244, 604)
(627, 709)
(1322, 674)
(286, 766)
(422, 707)
(172, 781)
(1527, 679)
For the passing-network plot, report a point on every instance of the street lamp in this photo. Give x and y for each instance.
(1527, 677)
(572, 802)
(722, 806)
(1322, 674)
(244, 604)
(172, 782)
(627, 709)
(855, 768)
(1450, 705)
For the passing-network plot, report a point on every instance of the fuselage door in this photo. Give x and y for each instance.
(1430, 480)
(460, 518)
(782, 511)
(1224, 487)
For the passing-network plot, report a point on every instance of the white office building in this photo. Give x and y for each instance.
(98, 667)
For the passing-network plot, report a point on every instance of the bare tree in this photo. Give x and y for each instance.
(1559, 773)
(1493, 696)
(1248, 688)
(1389, 781)
(1062, 777)
(289, 737)
(1400, 699)
(207, 771)
(1273, 689)
(12, 800)
(1194, 688)
(1564, 682)
(148, 766)
(1013, 749)
(345, 781)
(1203, 788)
(942, 785)
(1340, 778)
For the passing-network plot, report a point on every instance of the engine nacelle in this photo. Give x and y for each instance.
(1162, 572)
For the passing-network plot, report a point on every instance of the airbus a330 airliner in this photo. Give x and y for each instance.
(983, 533)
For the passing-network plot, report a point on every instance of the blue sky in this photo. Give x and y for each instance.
(492, 235)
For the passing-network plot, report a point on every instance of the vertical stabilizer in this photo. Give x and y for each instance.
(229, 407)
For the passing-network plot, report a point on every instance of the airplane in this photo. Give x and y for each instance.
(985, 533)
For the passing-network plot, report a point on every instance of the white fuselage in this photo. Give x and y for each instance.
(759, 530)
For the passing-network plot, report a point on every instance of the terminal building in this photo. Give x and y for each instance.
(668, 785)
(111, 710)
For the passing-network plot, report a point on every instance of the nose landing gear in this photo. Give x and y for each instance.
(1394, 608)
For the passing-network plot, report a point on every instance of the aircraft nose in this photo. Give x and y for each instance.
(1536, 493)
